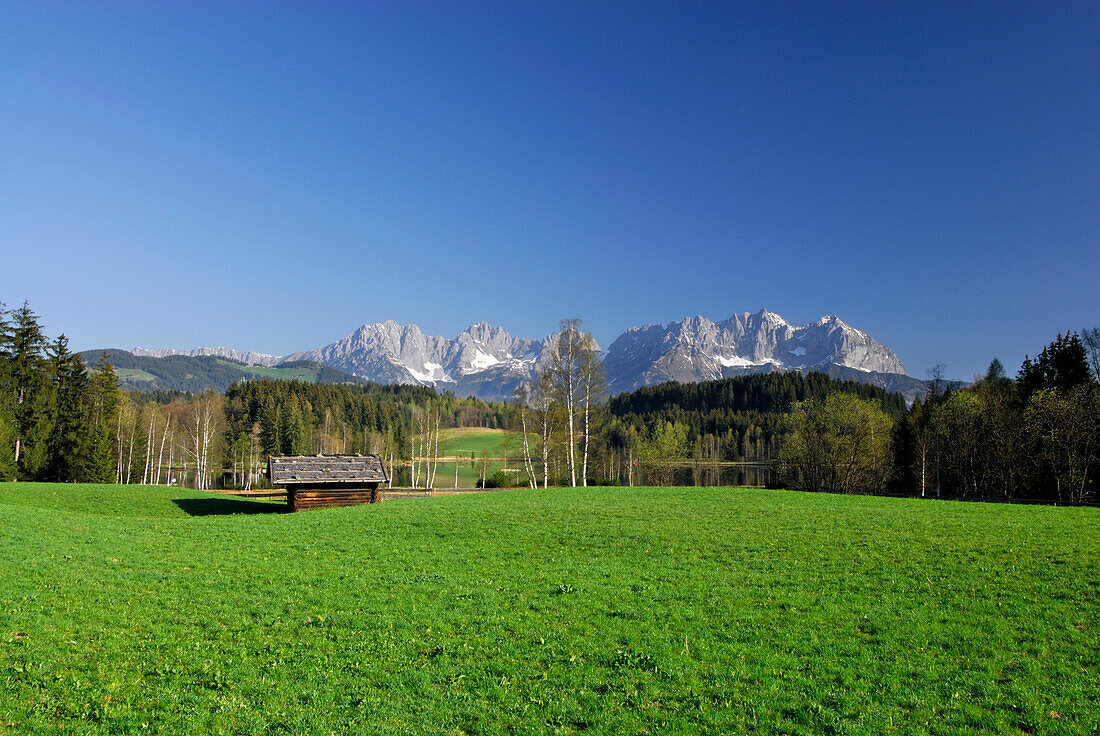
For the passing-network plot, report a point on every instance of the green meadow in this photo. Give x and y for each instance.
(469, 443)
(497, 443)
(258, 371)
(134, 374)
(608, 611)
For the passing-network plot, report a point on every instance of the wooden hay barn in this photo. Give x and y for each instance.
(317, 481)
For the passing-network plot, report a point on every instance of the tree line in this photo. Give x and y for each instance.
(1036, 435)
(56, 418)
(61, 421)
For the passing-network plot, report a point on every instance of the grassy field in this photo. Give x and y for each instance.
(464, 440)
(133, 374)
(152, 610)
(259, 371)
(468, 474)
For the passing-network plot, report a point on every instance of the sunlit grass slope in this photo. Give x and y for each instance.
(134, 610)
(464, 440)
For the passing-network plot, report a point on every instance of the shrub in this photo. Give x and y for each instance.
(499, 479)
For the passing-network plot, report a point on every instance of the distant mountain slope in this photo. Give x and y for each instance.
(196, 374)
(487, 362)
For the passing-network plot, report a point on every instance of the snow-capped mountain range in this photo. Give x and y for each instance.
(241, 356)
(696, 349)
(487, 362)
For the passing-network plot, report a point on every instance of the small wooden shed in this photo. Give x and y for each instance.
(317, 481)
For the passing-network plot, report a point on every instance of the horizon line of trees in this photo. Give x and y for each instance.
(1034, 436)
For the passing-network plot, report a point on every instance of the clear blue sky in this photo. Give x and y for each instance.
(269, 176)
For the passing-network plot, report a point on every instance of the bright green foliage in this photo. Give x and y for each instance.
(742, 418)
(1064, 428)
(604, 611)
(663, 450)
(7, 400)
(839, 445)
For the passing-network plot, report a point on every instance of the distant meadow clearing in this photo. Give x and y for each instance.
(624, 610)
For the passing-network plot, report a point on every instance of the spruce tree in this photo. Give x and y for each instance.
(31, 392)
(1062, 364)
(7, 400)
(66, 447)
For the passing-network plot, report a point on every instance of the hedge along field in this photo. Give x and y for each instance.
(141, 609)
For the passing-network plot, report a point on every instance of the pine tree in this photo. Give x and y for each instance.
(271, 439)
(66, 445)
(1062, 364)
(31, 392)
(7, 400)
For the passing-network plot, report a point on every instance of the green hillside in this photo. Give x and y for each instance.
(153, 610)
(308, 372)
(185, 373)
(465, 440)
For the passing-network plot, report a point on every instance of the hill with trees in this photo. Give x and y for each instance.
(205, 373)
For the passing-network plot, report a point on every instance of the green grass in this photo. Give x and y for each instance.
(134, 374)
(259, 371)
(151, 610)
(464, 440)
(469, 474)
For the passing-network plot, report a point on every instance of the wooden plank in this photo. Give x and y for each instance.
(299, 499)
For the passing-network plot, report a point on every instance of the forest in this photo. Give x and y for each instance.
(1032, 436)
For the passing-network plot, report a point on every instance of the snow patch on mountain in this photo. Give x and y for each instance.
(735, 362)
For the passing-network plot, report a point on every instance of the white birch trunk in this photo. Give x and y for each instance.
(198, 451)
(118, 447)
(547, 433)
(130, 456)
(148, 452)
(584, 464)
(171, 457)
(160, 456)
(527, 466)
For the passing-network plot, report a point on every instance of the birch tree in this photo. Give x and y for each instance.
(593, 386)
(204, 415)
(542, 405)
(521, 398)
(563, 371)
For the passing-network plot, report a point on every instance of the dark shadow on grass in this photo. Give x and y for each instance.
(226, 506)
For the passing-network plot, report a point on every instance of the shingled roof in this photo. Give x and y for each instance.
(295, 469)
